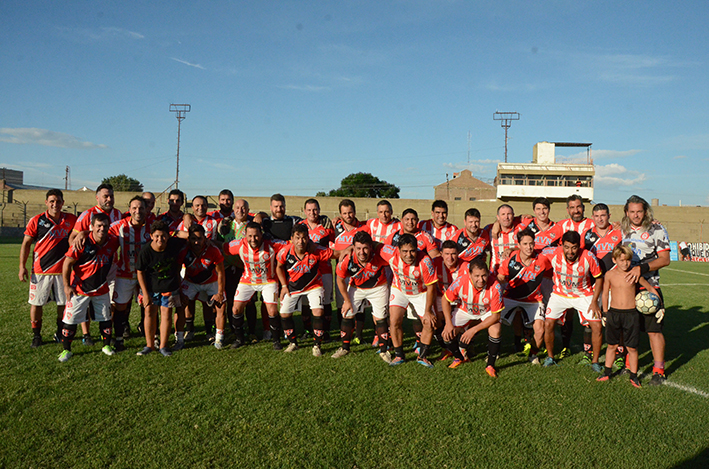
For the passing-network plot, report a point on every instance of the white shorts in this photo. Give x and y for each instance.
(530, 312)
(77, 308)
(199, 291)
(124, 289)
(46, 288)
(327, 292)
(558, 305)
(377, 296)
(461, 318)
(401, 299)
(269, 292)
(290, 301)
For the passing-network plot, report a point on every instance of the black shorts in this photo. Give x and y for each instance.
(648, 322)
(625, 321)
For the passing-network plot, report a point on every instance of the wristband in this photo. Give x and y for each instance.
(644, 268)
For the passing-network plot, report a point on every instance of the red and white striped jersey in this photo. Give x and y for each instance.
(259, 264)
(209, 223)
(574, 280)
(505, 240)
(83, 223)
(131, 240)
(409, 279)
(171, 222)
(439, 235)
(447, 276)
(475, 302)
(51, 241)
(424, 241)
(380, 231)
(557, 231)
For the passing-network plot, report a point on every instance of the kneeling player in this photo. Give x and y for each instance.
(85, 275)
(259, 258)
(414, 278)
(204, 280)
(480, 299)
(523, 272)
(622, 318)
(366, 271)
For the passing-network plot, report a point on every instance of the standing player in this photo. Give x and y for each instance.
(226, 205)
(49, 231)
(479, 297)
(204, 281)
(540, 225)
(259, 258)
(384, 225)
(438, 226)
(522, 274)
(409, 224)
(345, 228)
(279, 225)
(574, 288)
(132, 234)
(320, 232)
(471, 240)
(414, 278)
(367, 282)
(174, 215)
(86, 275)
(200, 216)
(299, 274)
(158, 269)
(651, 252)
(502, 235)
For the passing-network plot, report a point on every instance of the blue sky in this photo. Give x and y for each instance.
(292, 96)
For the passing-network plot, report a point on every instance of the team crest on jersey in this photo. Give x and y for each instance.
(486, 300)
(417, 273)
(537, 268)
(614, 238)
(580, 268)
(645, 236)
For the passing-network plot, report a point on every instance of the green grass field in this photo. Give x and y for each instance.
(254, 407)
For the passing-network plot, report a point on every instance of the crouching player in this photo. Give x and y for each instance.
(622, 319)
(414, 279)
(299, 273)
(449, 267)
(158, 268)
(366, 271)
(85, 275)
(259, 258)
(522, 274)
(204, 280)
(480, 298)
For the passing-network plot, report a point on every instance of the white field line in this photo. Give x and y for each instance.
(686, 271)
(689, 389)
(685, 285)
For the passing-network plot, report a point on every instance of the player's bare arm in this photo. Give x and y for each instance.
(429, 315)
(470, 333)
(597, 290)
(142, 281)
(282, 279)
(66, 277)
(342, 286)
(24, 255)
(448, 329)
(219, 297)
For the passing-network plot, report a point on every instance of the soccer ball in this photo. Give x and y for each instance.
(647, 302)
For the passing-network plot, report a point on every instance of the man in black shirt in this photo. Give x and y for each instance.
(158, 270)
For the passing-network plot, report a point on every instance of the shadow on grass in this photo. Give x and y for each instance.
(686, 334)
(11, 240)
(701, 460)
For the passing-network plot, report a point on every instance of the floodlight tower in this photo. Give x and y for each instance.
(506, 118)
(180, 110)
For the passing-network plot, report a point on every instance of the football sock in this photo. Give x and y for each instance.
(438, 333)
(289, 329)
(119, 322)
(423, 350)
(327, 317)
(567, 329)
(620, 352)
(399, 351)
(189, 325)
(239, 326)
(493, 350)
(381, 328)
(274, 324)
(251, 317)
(346, 331)
(36, 328)
(307, 317)
(518, 343)
(68, 333)
(105, 328)
(60, 323)
(454, 347)
(359, 325)
(607, 371)
(587, 344)
(318, 331)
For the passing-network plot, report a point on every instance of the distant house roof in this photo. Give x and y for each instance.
(465, 179)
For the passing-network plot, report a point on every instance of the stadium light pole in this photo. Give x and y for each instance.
(506, 119)
(180, 110)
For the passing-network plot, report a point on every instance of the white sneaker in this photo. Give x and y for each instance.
(386, 356)
(316, 351)
(341, 352)
(218, 344)
(292, 347)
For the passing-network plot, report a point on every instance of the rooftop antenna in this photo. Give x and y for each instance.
(180, 110)
(506, 118)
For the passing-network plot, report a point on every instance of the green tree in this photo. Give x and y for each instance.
(123, 183)
(364, 185)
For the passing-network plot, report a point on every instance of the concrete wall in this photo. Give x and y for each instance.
(682, 223)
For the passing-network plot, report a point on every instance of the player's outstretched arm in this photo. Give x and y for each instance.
(77, 239)
(24, 255)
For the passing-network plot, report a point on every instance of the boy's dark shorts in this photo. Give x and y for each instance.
(648, 322)
(625, 321)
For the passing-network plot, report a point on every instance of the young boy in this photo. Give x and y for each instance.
(622, 316)
(158, 270)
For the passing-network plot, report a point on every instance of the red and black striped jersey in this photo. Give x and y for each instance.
(89, 275)
(369, 275)
(51, 241)
(343, 236)
(469, 249)
(524, 281)
(303, 273)
(602, 246)
(542, 238)
(322, 237)
(202, 268)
